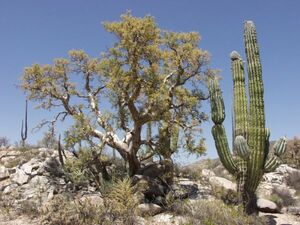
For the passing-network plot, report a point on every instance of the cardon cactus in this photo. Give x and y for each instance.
(251, 138)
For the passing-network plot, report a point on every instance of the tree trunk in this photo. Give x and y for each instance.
(169, 170)
(134, 164)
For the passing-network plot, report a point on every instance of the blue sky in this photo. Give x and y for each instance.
(35, 31)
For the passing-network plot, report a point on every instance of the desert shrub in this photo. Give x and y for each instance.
(228, 196)
(292, 156)
(64, 210)
(29, 208)
(48, 140)
(176, 206)
(6, 206)
(191, 173)
(285, 195)
(293, 180)
(277, 199)
(76, 172)
(217, 213)
(4, 142)
(121, 202)
(25, 155)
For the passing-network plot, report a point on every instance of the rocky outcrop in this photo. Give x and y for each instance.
(31, 179)
(267, 206)
(222, 182)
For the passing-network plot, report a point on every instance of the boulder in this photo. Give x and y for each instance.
(93, 199)
(267, 206)
(10, 188)
(149, 209)
(20, 177)
(222, 182)
(4, 184)
(295, 210)
(4, 173)
(30, 166)
(168, 218)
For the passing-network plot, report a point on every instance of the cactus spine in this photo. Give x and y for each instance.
(251, 144)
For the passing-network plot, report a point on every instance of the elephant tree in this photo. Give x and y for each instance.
(148, 76)
(251, 143)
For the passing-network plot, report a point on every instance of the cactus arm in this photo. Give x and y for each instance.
(256, 128)
(271, 164)
(279, 149)
(218, 132)
(216, 102)
(241, 147)
(239, 95)
(280, 146)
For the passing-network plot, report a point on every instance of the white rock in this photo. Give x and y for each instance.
(208, 173)
(267, 206)
(4, 173)
(222, 182)
(20, 177)
(149, 209)
(10, 188)
(4, 184)
(93, 199)
(31, 165)
(167, 218)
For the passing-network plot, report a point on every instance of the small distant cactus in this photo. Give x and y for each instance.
(24, 126)
(251, 137)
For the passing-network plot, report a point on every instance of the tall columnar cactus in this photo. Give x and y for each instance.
(251, 144)
(24, 126)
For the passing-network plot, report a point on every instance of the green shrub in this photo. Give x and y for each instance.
(217, 213)
(121, 202)
(228, 196)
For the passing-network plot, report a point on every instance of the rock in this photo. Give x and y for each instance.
(168, 219)
(222, 182)
(267, 206)
(4, 173)
(149, 209)
(93, 199)
(152, 170)
(31, 165)
(294, 210)
(9, 188)
(208, 173)
(20, 177)
(282, 175)
(150, 187)
(4, 184)
(181, 191)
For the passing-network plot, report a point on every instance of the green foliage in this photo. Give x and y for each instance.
(147, 76)
(215, 212)
(48, 140)
(121, 202)
(229, 197)
(63, 210)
